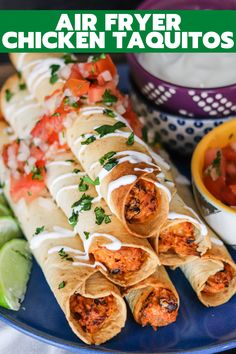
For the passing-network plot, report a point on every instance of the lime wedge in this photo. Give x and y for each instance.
(4, 211)
(15, 266)
(9, 229)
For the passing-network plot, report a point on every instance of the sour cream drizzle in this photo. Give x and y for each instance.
(57, 233)
(65, 176)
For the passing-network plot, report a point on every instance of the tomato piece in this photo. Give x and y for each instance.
(96, 92)
(36, 152)
(48, 127)
(229, 153)
(56, 92)
(78, 87)
(92, 69)
(233, 188)
(214, 187)
(25, 187)
(106, 64)
(75, 73)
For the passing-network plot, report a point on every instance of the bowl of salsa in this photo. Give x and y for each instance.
(213, 170)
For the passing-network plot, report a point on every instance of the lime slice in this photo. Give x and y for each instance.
(15, 266)
(9, 229)
(4, 211)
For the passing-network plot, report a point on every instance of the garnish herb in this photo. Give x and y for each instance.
(83, 186)
(109, 113)
(106, 157)
(73, 219)
(70, 160)
(22, 86)
(86, 234)
(19, 74)
(62, 285)
(54, 77)
(101, 216)
(39, 230)
(89, 140)
(108, 129)
(83, 204)
(98, 57)
(75, 105)
(64, 255)
(130, 139)
(108, 98)
(89, 180)
(76, 170)
(110, 164)
(68, 59)
(67, 100)
(8, 95)
(216, 163)
(37, 173)
(57, 114)
(29, 193)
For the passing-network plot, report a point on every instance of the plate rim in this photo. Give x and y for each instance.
(67, 345)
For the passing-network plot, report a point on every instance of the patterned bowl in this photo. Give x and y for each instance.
(175, 132)
(219, 216)
(191, 102)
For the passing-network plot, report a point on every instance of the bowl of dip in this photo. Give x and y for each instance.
(213, 170)
(177, 133)
(189, 84)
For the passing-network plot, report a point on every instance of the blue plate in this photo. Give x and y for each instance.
(197, 329)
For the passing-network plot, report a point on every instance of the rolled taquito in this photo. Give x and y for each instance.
(154, 301)
(92, 305)
(121, 257)
(183, 237)
(125, 166)
(213, 276)
(43, 73)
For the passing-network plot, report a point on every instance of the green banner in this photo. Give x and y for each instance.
(118, 31)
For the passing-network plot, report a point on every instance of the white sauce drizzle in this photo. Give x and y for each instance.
(216, 241)
(64, 189)
(122, 181)
(65, 176)
(58, 232)
(147, 169)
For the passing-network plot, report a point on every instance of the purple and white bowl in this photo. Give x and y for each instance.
(181, 100)
(175, 132)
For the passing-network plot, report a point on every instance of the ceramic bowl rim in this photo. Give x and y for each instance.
(197, 175)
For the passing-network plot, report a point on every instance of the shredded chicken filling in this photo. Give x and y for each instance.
(178, 239)
(142, 202)
(159, 309)
(123, 261)
(220, 281)
(91, 314)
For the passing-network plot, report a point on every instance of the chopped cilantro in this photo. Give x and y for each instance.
(57, 114)
(19, 74)
(86, 234)
(8, 95)
(89, 180)
(73, 219)
(98, 57)
(22, 86)
(84, 203)
(130, 139)
(68, 59)
(108, 98)
(216, 163)
(76, 170)
(106, 157)
(83, 186)
(101, 216)
(62, 285)
(37, 173)
(89, 140)
(109, 113)
(70, 160)
(54, 77)
(39, 230)
(64, 255)
(108, 129)
(110, 164)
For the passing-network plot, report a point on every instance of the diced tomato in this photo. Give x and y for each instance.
(78, 87)
(91, 70)
(55, 93)
(96, 92)
(229, 153)
(25, 187)
(75, 73)
(36, 152)
(233, 188)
